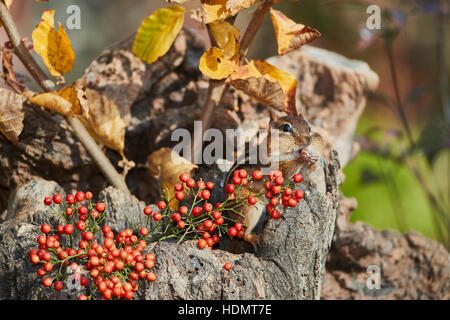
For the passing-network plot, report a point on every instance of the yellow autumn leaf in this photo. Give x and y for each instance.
(166, 165)
(227, 37)
(69, 100)
(53, 46)
(157, 33)
(258, 69)
(215, 10)
(76, 95)
(104, 122)
(52, 101)
(290, 35)
(215, 65)
(11, 115)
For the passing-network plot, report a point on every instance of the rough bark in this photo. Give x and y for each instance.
(288, 265)
(411, 266)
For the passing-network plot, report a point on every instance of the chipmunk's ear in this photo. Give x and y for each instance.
(300, 116)
(274, 116)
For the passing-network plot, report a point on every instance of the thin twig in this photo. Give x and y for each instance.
(102, 162)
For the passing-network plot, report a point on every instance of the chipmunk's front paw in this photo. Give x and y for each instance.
(309, 156)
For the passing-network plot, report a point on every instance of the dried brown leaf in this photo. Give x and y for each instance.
(11, 114)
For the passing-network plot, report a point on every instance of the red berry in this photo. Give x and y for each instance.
(176, 217)
(47, 282)
(298, 177)
(292, 203)
(57, 198)
(179, 195)
(276, 214)
(157, 216)
(190, 183)
(83, 210)
(148, 211)
(229, 188)
(81, 225)
(232, 232)
(268, 185)
(228, 266)
(210, 242)
(79, 196)
(244, 182)
(89, 195)
(201, 243)
(205, 194)
(181, 224)
(206, 235)
(270, 208)
(70, 199)
(269, 195)
(162, 205)
(287, 192)
(207, 224)
(68, 229)
(197, 211)
(201, 185)
(151, 277)
(95, 214)
(232, 196)
(48, 201)
(252, 200)
(276, 189)
(274, 201)
(183, 210)
(45, 228)
(143, 231)
(34, 258)
(208, 207)
(100, 207)
(48, 266)
(219, 221)
(215, 238)
(279, 180)
(184, 177)
(88, 236)
(178, 187)
(242, 174)
(84, 297)
(84, 281)
(237, 180)
(209, 185)
(257, 175)
(216, 215)
(239, 226)
(299, 194)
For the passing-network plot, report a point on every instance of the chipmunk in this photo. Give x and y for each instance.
(294, 135)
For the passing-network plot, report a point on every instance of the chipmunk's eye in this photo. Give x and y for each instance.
(286, 127)
(309, 129)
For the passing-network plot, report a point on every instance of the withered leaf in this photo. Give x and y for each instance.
(11, 114)
(290, 35)
(166, 165)
(104, 122)
(52, 101)
(262, 69)
(264, 91)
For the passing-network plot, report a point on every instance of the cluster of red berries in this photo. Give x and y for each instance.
(115, 267)
(275, 191)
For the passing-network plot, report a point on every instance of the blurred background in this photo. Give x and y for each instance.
(401, 176)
